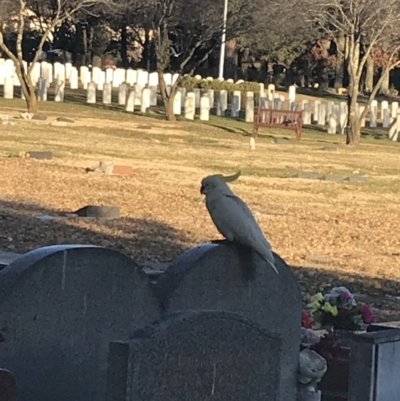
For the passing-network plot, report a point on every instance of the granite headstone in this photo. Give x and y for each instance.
(60, 307)
(213, 277)
(196, 356)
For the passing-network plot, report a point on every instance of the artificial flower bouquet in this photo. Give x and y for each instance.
(339, 310)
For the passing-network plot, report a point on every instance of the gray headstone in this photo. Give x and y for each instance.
(60, 307)
(196, 356)
(213, 277)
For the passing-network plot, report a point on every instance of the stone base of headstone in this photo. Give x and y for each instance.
(39, 155)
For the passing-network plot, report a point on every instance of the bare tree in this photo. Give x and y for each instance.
(184, 33)
(365, 24)
(46, 15)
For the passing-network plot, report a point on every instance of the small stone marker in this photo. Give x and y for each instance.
(332, 177)
(122, 92)
(356, 178)
(222, 102)
(107, 93)
(306, 112)
(153, 95)
(138, 94)
(235, 105)
(386, 118)
(59, 91)
(249, 116)
(107, 212)
(8, 89)
(373, 114)
(130, 104)
(39, 155)
(281, 141)
(7, 386)
(39, 117)
(65, 119)
(177, 105)
(204, 108)
(307, 176)
(119, 169)
(197, 96)
(91, 93)
(145, 101)
(190, 105)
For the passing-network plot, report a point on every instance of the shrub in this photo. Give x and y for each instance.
(190, 82)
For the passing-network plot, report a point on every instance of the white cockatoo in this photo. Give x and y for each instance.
(233, 218)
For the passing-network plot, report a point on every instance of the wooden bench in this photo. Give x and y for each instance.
(286, 119)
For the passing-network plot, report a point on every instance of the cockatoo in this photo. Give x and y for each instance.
(233, 218)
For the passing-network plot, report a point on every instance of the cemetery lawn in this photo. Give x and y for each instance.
(344, 233)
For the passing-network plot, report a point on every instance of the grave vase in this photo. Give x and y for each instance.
(335, 383)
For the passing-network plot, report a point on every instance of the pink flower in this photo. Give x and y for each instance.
(367, 314)
(347, 295)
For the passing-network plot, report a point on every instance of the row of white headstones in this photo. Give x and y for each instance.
(139, 88)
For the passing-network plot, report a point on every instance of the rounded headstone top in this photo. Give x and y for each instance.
(225, 261)
(11, 274)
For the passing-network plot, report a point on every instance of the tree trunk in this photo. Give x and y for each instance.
(369, 78)
(169, 107)
(85, 43)
(346, 75)
(90, 37)
(353, 131)
(384, 90)
(146, 49)
(340, 56)
(124, 46)
(167, 98)
(32, 103)
(231, 59)
(28, 89)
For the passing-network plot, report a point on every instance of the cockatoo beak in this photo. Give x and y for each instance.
(202, 190)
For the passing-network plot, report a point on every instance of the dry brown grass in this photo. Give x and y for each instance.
(350, 230)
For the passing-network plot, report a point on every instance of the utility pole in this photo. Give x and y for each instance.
(223, 39)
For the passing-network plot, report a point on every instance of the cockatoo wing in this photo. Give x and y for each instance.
(235, 221)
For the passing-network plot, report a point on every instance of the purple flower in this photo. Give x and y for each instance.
(367, 314)
(347, 295)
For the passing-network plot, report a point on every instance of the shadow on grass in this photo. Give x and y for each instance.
(144, 239)
(23, 231)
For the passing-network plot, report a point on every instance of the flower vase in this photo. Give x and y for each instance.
(335, 383)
